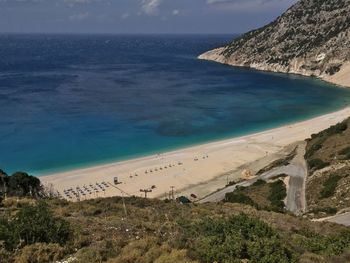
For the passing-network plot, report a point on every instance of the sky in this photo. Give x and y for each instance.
(138, 16)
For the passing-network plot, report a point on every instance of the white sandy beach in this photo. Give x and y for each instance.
(191, 170)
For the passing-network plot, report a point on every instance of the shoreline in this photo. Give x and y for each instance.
(198, 170)
(340, 79)
(136, 156)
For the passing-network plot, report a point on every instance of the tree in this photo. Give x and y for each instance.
(33, 224)
(22, 184)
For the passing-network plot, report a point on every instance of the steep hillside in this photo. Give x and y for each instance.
(147, 231)
(328, 157)
(311, 38)
(328, 182)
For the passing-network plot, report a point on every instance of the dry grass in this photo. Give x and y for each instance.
(149, 233)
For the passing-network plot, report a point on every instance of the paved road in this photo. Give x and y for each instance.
(220, 195)
(342, 219)
(297, 170)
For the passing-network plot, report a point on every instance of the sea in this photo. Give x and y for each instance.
(73, 101)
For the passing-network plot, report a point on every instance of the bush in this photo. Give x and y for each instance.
(314, 148)
(346, 156)
(326, 245)
(329, 186)
(235, 239)
(40, 253)
(5, 255)
(175, 256)
(278, 193)
(317, 164)
(344, 151)
(7, 237)
(88, 255)
(259, 182)
(318, 139)
(22, 184)
(237, 197)
(335, 129)
(333, 69)
(269, 250)
(327, 210)
(145, 250)
(33, 224)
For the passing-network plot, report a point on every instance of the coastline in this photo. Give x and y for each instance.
(341, 78)
(197, 170)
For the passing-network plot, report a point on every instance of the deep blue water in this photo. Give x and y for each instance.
(73, 101)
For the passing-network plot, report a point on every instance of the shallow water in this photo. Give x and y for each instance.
(74, 101)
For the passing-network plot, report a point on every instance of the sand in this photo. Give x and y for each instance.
(342, 77)
(197, 170)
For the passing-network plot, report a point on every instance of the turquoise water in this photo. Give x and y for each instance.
(75, 101)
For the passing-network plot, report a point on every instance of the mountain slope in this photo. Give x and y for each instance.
(311, 38)
(140, 230)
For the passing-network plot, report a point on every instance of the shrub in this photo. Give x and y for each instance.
(259, 182)
(22, 184)
(40, 253)
(269, 250)
(326, 245)
(329, 186)
(144, 250)
(5, 255)
(235, 239)
(333, 69)
(175, 256)
(88, 255)
(336, 129)
(346, 156)
(327, 210)
(237, 197)
(33, 224)
(314, 148)
(344, 151)
(15, 202)
(278, 193)
(317, 164)
(317, 140)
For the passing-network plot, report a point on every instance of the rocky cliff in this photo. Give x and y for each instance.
(311, 38)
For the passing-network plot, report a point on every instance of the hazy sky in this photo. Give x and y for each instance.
(138, 16)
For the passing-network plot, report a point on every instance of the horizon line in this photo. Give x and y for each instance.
(110, 33)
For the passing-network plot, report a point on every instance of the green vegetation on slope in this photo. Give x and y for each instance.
(33, 224)
(240, 198)
(321, 150)
(234, 239)
(160, 231)
(278, 193)
(327, 190)
(329, 186)
(261, 195)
